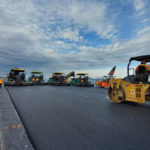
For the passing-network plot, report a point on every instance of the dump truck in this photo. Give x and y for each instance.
(82, 80)
(135, 87)
(104, 83)
(60, 79)
(16, 77)
(37, 78)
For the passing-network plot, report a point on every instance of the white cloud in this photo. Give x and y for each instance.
(143, 31)
(140, 7)
(31, 36)
(139, 4)
(90, 14)
(69, 34)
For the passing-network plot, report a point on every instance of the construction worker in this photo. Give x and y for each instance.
(36, 79)
(33, 78)
(143, 63)
(53, 76)
(10, 76)
(96, 83)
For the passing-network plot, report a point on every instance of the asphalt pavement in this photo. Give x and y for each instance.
(76, 118)
(12, 132)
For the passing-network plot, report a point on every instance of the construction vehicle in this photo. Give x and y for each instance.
(16, 77)
(135, 87)
(82, 80)
(37, 78)
(104, 83)
(60, 79)
(1, 82)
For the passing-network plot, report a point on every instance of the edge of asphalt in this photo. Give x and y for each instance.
(13, 134)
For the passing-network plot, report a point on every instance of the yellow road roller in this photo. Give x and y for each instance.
(136, 86)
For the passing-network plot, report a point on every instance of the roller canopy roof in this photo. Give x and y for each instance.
(36, 72)
(140, 58)
(17, 69)
(82, 73)
(58, 73)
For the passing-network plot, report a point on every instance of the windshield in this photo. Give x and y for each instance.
(82, 76)
(17, 72)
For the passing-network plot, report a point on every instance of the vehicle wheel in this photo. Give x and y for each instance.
(114, 95)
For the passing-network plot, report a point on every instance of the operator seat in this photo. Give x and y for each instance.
(142, 74)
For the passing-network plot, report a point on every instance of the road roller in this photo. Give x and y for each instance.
(135, 87)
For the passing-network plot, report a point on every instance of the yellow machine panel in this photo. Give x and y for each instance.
(17, 69)
(1, 81)
(36, 72)
(125, 91)
(58, 73)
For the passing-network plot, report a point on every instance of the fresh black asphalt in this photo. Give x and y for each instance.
(74, 118)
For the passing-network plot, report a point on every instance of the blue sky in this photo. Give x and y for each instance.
(80, 35)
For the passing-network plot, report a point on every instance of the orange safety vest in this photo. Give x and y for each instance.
(146, 67)
(37, 79)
